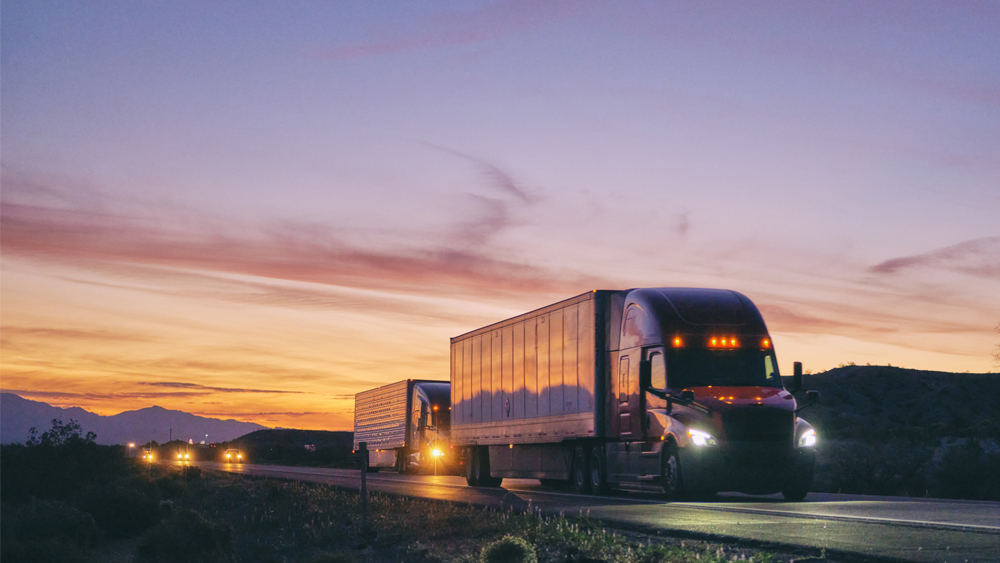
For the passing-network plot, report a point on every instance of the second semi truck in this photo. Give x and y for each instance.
(673, 389)
(405, 425)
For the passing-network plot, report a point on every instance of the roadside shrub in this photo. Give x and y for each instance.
(966, 470)
(186, 536)
(170, 486)
(49, 520)
(124, 510)
(508, 549)
(191, 473)
(50, 549)
(57, 472)
(894, 467)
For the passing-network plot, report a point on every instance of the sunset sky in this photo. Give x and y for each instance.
(254, 210)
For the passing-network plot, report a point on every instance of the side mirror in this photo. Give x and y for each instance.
(796, 377)
(644, 374)
(687, 396)
(812, 397)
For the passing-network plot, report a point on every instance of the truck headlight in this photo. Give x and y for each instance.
(701, 438)
(807, 439)
(436, 452)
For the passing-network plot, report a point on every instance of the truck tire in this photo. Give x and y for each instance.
(799, 479)
(598, 470)
(672, 478)
(794, 493)
(797, 486)
(580, 475)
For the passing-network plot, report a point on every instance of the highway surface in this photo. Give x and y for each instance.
(892, 528)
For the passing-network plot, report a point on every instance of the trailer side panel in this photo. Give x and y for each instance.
(381, 415)
(532, 378)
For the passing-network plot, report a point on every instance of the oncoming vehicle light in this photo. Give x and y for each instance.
(678, 342)
(437, 452)
(808, 439)
(701, 438)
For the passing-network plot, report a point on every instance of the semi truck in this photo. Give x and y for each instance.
(405, 425)
(669, 389)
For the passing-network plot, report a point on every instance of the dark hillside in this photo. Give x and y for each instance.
(298, 447)
(894, 431)
(872, 402)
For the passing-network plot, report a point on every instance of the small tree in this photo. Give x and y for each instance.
(61, 434)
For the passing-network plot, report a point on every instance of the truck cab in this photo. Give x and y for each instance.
(429, 446)
(697, 404)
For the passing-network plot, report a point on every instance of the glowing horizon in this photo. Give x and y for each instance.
(247, 226)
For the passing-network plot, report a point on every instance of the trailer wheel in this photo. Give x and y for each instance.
(581, 471)
(673, 486)
(598, 470)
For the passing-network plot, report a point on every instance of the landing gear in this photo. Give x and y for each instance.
(581, 470)
(477, 469)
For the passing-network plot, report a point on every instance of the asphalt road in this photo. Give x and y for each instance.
(901, 528)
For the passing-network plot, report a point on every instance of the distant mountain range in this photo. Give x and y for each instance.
(19, 415)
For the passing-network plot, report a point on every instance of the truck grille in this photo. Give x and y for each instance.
(759, 424)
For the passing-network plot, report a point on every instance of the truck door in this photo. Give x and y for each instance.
(624, 412)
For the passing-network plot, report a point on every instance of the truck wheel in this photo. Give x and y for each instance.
(673, 486)
(799, 480)
(581, 471)
(598, 470)
(797, 486)
(794, 493)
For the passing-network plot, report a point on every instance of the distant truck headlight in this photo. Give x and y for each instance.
(436, 452)
(808, 439)
(701, 438)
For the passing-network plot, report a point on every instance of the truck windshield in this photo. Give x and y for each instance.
(699, 368)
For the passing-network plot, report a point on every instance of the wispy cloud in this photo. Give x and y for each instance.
(115, 397)
(14, 332)
(111, 239)
(977, 257)
(210, 389)
(462, 27)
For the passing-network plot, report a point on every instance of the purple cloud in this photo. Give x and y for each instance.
(977, 257)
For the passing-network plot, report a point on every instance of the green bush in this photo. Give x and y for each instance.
(508, 549)
(55, 550)
(124, 510)
(186, 536)
(966, 470)
(170, 486)
(49, 519)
